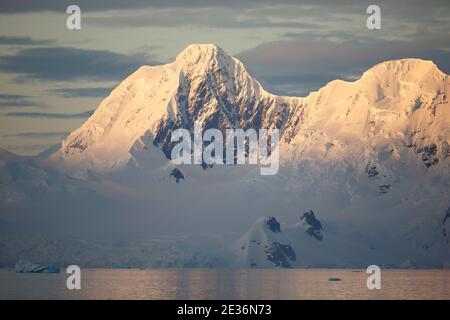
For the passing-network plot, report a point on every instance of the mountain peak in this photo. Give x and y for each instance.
(200, 47)
(405, 69)
(194, 53)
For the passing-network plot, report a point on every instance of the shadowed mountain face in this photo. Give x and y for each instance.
(369, 158)
(313, 226)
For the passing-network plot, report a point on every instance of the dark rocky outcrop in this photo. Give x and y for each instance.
(429, 154)
(445, 232)
(447, 216)
(177, 174)
(273, 225)
(371, 171)
(384, 188)
(164, 134)
(313, 226)
(280, 254)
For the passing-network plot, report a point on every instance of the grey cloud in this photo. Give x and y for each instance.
(49, 115)
(23, 41)
(14, 100)
(63, 63)
(329, 16)
(10, 96)
(37, 135)
(205, 17)
(266, 14)
(304, 63)
(81, 92)
(36, 147)
(14, 6)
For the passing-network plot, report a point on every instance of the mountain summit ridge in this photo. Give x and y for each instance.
(394, 103)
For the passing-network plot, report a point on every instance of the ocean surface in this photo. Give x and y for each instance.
(227, 284)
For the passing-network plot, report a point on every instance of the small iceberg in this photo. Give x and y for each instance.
(28, 267)
(334, 279)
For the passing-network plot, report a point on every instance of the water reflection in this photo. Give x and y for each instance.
(227, 284)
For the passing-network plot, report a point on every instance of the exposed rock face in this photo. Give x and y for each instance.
(447, 216)
(429, 157)
(280, 254)
(177, 174)
(313, 226)
(371, 171)
(273, 225)
(446, 226)
(384, 188)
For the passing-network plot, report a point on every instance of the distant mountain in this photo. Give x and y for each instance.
(365, 163)
(305, 244)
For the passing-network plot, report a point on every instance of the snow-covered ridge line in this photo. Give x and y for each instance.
(395, 103)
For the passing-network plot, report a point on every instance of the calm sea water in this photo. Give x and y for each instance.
(227, 284)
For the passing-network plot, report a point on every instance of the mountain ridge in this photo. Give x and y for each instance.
(207, 85)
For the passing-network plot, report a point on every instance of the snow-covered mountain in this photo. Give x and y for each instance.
(366, 164)
(394, 105)
(203, 84)
(306, 244)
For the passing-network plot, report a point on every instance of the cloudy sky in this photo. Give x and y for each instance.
(52, 78)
